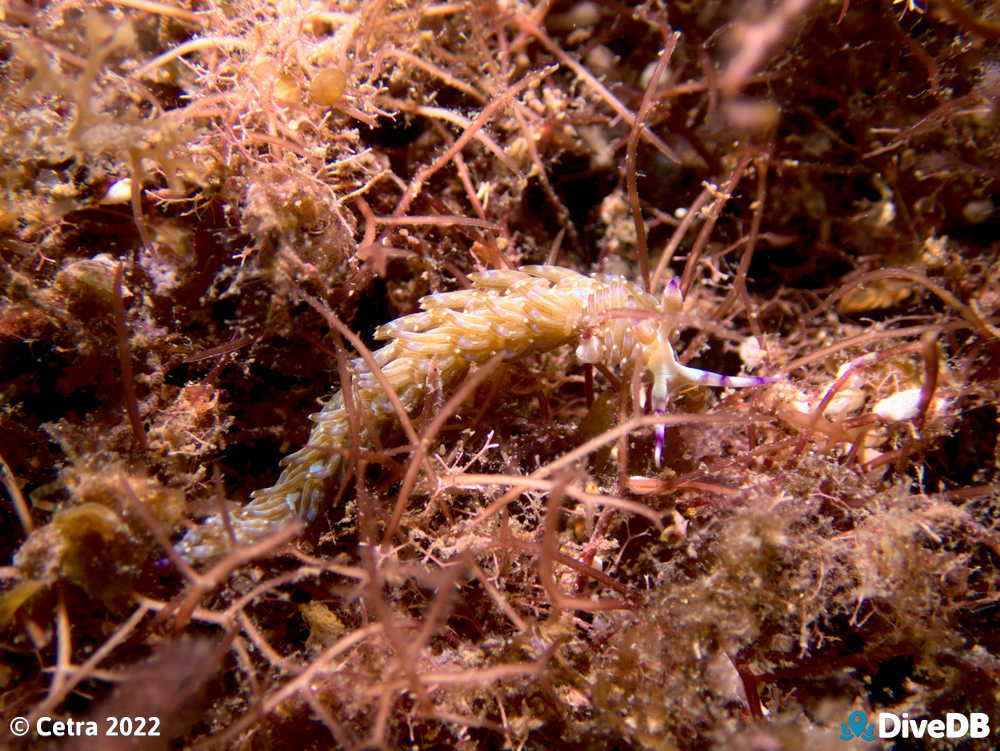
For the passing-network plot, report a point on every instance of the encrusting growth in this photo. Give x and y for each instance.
(514, 312)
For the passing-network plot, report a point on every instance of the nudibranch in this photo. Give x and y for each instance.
(515, 312)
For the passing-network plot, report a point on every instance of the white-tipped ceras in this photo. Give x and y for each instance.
(517, 312)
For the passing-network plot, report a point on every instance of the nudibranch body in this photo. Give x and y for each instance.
(515, 312)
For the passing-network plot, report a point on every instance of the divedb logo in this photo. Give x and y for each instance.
(891, 725)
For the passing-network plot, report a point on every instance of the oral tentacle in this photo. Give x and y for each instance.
(658, 451)
(660, 392)
(708, 378)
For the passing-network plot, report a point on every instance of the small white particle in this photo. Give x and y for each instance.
(120, 191)
(903, 406)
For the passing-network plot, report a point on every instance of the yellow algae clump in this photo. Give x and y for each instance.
(328, 86)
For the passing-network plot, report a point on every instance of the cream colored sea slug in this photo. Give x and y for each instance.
(515, 312)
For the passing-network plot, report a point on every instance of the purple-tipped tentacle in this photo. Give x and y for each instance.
(660, 408)
(658, 451)
(708, 378)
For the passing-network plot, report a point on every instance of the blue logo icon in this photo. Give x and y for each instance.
(857, 727)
